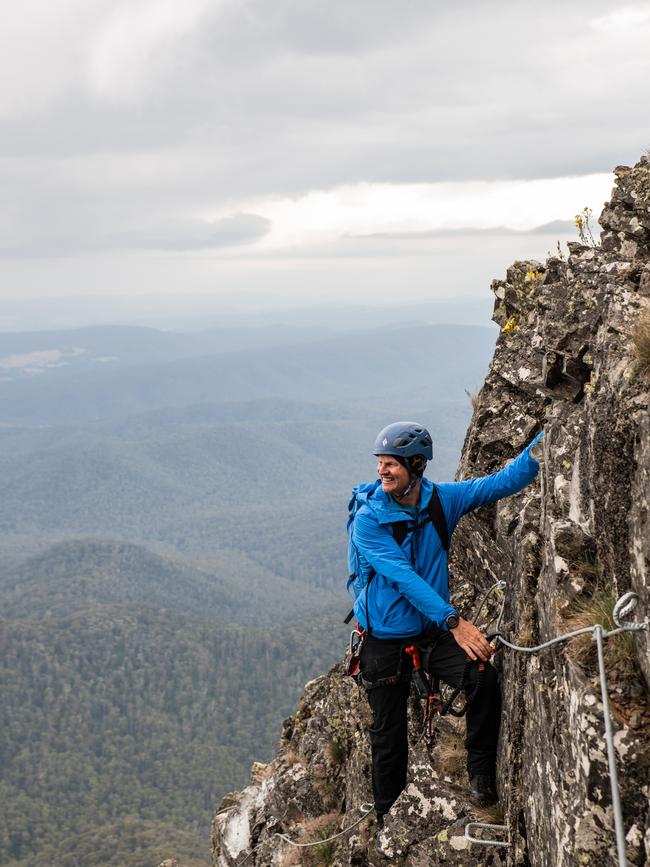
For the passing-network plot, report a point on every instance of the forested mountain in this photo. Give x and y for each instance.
(79, 574)
(157, 473)
(371, 365)
(172, 562)
(119, 711)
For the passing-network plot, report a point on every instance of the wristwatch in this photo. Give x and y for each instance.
(452, 621)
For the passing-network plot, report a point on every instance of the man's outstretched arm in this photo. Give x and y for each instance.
(471, 494)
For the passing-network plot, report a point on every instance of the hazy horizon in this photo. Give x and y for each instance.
(202, 312)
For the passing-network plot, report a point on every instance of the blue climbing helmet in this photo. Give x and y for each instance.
(404, 439)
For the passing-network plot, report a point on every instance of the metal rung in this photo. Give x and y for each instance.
(471, 826)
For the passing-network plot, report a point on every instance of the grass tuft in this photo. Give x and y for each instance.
(492, 815)
(587, 611)
(449, 754)
(320, 829)
(587, 567)
(474, 399)
(336, 751)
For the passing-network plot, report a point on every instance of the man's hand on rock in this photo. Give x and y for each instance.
(472, 640)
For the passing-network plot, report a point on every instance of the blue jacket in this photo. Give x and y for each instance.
(410, 591)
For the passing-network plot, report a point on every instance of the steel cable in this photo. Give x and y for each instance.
(622, 608)
(367, 810)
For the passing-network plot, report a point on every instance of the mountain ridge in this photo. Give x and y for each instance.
(74, 575)
(333, 369)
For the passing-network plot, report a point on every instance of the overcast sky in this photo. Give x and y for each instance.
(306, 149)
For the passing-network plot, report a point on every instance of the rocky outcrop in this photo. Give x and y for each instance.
(566, 547)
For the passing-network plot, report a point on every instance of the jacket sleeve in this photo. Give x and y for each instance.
(380, 549)
(473, 493)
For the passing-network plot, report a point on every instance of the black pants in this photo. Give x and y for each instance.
(388, 732)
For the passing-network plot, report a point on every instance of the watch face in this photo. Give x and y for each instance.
(452, 621)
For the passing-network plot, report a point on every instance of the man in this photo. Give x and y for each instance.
(406, 596)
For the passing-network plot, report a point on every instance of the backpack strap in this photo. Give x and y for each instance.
(437, 517)
(400, 529)
(435, 514)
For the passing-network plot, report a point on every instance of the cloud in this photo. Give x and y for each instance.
(193, 234)
(135, 43)
(336, 93)
(418, 210)
(623, 20)
(138, 122)
(39, 63)
(63, 228)
(97, 210)
(554, 227)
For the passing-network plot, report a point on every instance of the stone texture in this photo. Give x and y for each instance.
(564, 361)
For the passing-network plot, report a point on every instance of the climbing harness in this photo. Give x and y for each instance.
(622, 608)
(427, 688)
(366, 810)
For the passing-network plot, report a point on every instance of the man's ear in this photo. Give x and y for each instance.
(417, 464)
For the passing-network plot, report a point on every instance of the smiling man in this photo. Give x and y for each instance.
(401, 534)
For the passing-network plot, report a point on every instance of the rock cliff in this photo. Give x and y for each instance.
(566, 548)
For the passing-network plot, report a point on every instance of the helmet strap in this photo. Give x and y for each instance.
(415, 466)
(407, 490)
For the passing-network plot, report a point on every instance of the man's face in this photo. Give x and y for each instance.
(394, 476)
